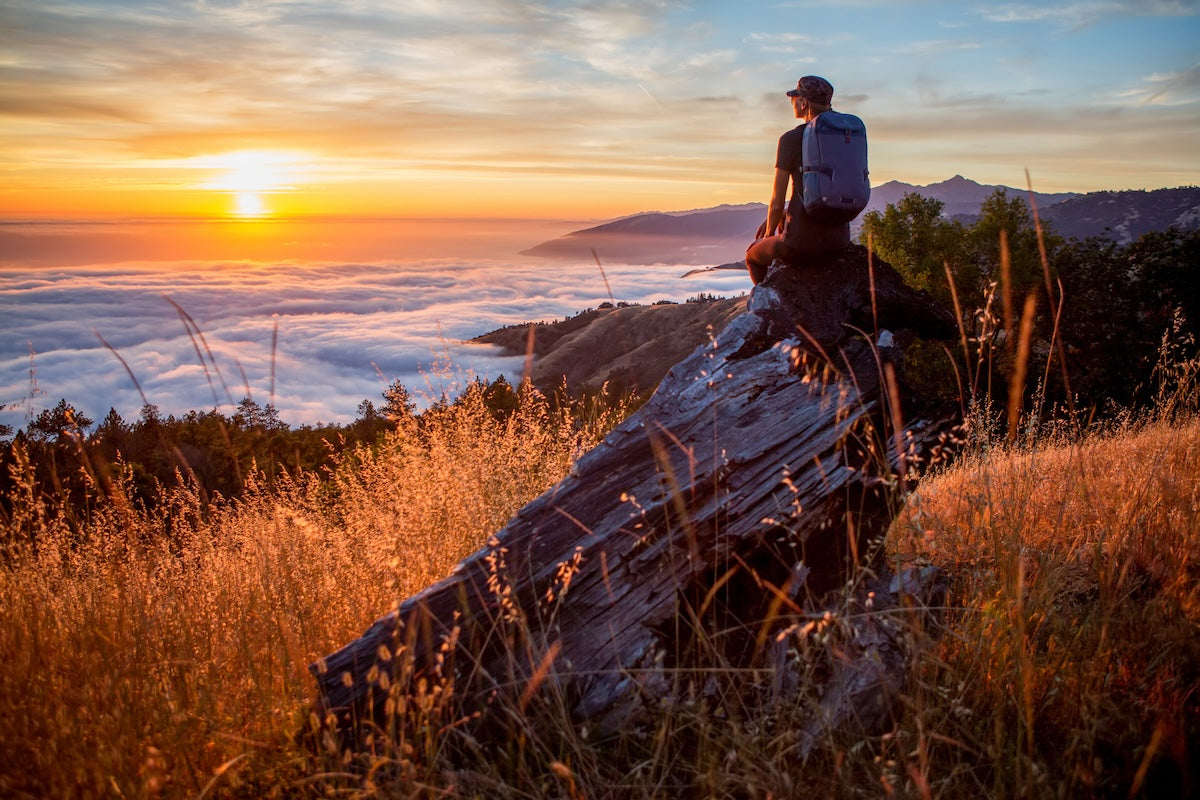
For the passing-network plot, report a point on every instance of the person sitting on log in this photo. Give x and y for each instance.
(796, 235)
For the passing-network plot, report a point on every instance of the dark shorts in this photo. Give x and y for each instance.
(803, 236)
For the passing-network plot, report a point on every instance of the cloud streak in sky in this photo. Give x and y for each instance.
(1089, 12)
(1176, 88)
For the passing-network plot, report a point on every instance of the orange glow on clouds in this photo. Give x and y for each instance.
(251, 170)
(252, 184)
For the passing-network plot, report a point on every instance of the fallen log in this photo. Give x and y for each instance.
(757, 479)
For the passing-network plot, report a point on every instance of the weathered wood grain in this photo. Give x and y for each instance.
(761, 457)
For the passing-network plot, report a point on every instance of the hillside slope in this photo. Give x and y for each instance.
(628, 348)
(1125, 216)
(705, 236)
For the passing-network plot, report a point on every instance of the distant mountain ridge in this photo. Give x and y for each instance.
(959, 195)
(720, 234)
(1126, 216)
(703, 236)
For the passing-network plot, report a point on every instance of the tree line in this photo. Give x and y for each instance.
(1109, 322)
(69, 461)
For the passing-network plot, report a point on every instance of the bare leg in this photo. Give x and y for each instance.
(760, 255)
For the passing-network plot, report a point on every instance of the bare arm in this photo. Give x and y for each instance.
(775, 212)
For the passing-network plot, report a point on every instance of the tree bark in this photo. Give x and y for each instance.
(759, 476)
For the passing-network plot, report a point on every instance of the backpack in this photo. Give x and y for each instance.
(835, 186)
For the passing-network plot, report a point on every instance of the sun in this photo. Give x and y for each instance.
(248, 176)
(248, 205)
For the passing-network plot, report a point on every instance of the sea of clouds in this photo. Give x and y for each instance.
(314, 338)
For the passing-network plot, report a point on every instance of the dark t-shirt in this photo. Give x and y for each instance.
(805, 234)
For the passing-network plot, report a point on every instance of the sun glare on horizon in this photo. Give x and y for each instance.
(249, 205)
(248, 176)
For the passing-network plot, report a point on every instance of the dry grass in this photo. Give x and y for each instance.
(1070, 665)
(165, 655)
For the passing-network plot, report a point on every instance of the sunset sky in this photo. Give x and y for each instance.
(556, 109)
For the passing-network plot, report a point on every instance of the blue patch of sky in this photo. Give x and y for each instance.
(966, 44)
